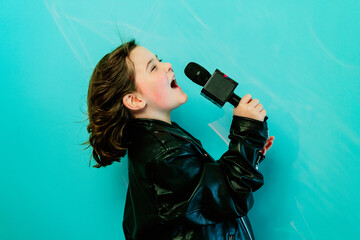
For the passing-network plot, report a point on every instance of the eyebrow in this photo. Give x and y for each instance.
(147, 65)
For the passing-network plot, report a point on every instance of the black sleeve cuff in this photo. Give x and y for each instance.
(239, 122)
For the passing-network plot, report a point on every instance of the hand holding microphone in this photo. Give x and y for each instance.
(219, 89)
(250, 108)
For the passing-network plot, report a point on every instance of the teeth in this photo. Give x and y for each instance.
(173, 83)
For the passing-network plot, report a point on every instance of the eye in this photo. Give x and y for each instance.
(154, 67)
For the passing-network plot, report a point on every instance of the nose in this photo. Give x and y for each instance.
(168, 67)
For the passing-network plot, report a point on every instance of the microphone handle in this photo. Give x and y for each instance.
(235, 99)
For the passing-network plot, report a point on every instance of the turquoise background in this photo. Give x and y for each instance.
(300, 58)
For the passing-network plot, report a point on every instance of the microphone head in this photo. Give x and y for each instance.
(197, 73)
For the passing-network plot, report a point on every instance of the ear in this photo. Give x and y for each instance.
(134, 101)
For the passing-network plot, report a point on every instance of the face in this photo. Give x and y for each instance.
(156, 82)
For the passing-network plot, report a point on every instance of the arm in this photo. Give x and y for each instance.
(188, 186)
(239, 163)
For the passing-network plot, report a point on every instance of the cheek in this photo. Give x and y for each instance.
(160, 89)
(156, 92)
(160, 95)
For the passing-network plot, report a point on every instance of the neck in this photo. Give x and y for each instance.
(165, 117)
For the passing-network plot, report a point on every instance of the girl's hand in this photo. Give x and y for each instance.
(250, 108)
(268, 144)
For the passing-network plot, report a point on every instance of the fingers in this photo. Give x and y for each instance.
(259, 107)
(247, 98)
(263, 151)
(269, 142)
(268, 145)
(250, 108)
(253, 103)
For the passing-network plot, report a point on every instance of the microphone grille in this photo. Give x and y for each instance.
(197, 73)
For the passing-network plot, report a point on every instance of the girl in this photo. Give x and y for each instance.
(176, 190)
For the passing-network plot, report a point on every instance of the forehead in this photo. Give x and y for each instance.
(140, 56)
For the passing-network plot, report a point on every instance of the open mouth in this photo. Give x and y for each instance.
(174, 83)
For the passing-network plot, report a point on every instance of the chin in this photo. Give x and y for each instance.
(185, 98)
(181, 101)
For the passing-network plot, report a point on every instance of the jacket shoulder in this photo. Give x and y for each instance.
(152, 144)
(168, 140)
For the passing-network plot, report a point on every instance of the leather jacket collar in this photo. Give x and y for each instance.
(139, 126)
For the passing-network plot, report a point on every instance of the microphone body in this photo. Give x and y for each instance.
(219, 89)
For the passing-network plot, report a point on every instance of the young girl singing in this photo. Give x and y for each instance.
(176, 189)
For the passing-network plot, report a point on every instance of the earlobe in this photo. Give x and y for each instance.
(134, 101)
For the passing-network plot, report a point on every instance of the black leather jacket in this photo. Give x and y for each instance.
(177, 191)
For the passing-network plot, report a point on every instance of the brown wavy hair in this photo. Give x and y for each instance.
(112, 79)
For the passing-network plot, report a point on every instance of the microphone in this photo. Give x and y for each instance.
(218, 88)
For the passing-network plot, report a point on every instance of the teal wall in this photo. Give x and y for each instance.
(300, 58)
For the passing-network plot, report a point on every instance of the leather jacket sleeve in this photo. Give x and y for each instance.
(188, 186)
